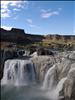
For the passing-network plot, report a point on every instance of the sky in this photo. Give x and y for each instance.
(39, 17)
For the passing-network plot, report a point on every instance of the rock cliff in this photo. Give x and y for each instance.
(19, 36)
(64, 69)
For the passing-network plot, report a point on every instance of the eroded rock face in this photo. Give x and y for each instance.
(63, 68)
(67, 70)
(5, 55)
(42, 64)
(69, 85)
(44, 51)
(72, 56)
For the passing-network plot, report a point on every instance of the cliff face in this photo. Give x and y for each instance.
(63, 67)
(13, 35)
(61, 37)
(19, 36)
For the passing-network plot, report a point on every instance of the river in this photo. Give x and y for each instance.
(23, 93)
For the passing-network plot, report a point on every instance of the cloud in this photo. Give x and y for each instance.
(30, 23)
(48, 13)
(34, 26)
(6, 27)
(15, 5)
(5, 13)
(15, 9)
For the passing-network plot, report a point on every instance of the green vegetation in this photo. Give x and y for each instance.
(51, 44)
(60, 45)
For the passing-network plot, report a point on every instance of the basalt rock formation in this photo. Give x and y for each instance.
(57, 72)
(62, 74)
(19, 36)
(61, 37)
(44, 51)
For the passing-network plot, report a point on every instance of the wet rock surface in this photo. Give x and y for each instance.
(68, 70)
(65, 67)
(42, 64)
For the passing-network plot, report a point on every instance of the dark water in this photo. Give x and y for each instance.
(23, 93)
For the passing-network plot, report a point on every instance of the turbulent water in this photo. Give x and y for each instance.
(18, 72)
(18, 82)
(30, 92)
(20, 78)
(49, 84)
(49, 78)
(23, 93)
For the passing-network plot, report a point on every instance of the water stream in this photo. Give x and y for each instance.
(19, 82)
(18, 72)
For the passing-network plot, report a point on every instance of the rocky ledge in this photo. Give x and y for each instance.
(65, 68)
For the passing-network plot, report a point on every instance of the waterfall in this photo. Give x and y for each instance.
(54, 94)
(60, 84)
(49, 78)
(51, 85)
(59, 87)
(18, 72)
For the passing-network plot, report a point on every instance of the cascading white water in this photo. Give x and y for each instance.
(59, 88)
(54, 94)
(18, 72)
(53, 89)
(49, 78)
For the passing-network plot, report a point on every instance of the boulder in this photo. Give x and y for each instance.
(20, 53)
(44, 51)
(72, 56)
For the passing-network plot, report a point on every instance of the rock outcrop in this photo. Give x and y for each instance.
(42, 64)
(65, 68)
(60, 37)
(44, 51)
(19, 36)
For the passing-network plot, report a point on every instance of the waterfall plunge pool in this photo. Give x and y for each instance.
(9, 92)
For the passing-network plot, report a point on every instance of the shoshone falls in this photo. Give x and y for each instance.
(40, 78)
